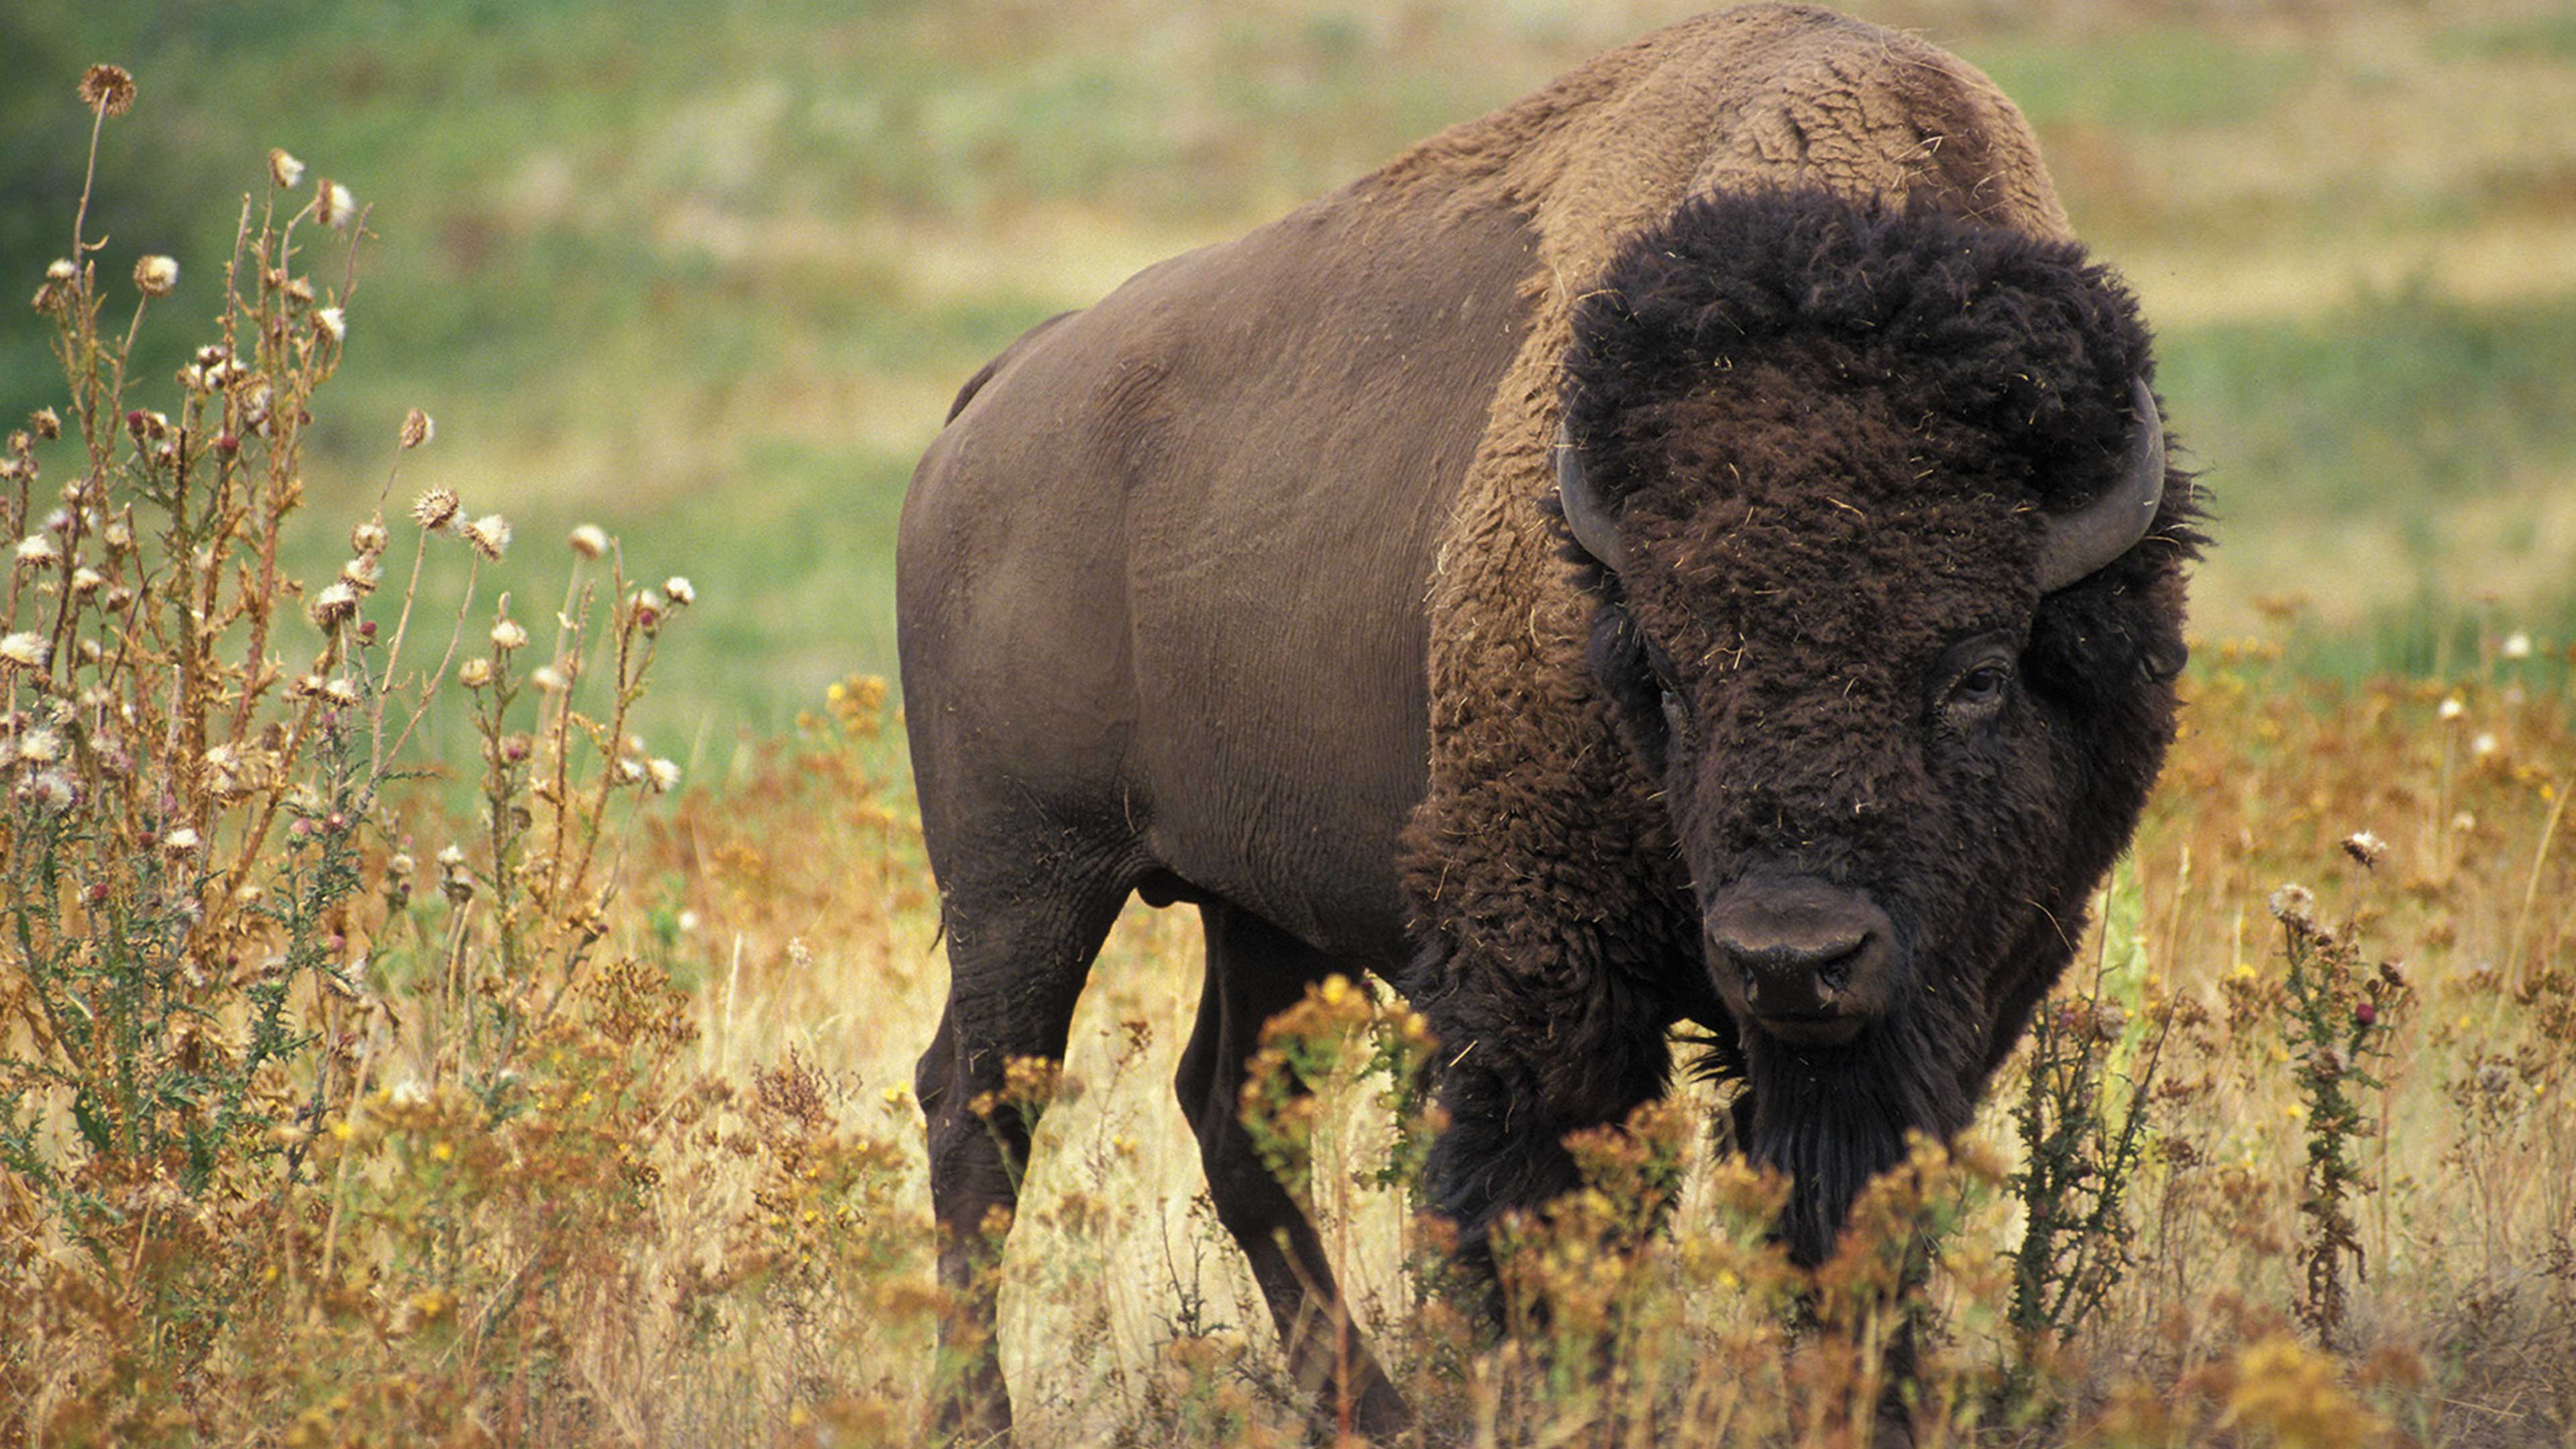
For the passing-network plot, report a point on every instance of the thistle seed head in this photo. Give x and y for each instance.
(333, 607)
(156, 276)
(107, 89)
(2295, 905)
(434, 509)
(489, 535)
(332, 204)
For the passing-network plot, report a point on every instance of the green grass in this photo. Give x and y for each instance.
(714, 294)
(2145, 81)
(2388, 406)
(2435, 636)
(2548, 36)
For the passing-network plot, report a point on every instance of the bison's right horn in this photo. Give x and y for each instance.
(2082, 542)
(1586, 517)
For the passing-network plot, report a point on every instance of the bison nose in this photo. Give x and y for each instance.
(1807, 960)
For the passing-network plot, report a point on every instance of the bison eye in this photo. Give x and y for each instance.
(1984, 684)
(1676, 714)
(1980, 675)
(1979, 693)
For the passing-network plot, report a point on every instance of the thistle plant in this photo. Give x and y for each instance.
(2339, 1019)
(2082, 1120)
(220, 997)
(189, 813)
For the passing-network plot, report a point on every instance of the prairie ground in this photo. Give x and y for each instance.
(706, 275)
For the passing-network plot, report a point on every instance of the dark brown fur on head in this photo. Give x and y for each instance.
(1832, 433)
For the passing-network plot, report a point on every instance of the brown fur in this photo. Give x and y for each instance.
(1533, 831)
(1765, 95)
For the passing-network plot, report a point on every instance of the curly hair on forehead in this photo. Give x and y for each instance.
(2021, 337)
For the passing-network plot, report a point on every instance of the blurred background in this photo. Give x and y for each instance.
(706, 272)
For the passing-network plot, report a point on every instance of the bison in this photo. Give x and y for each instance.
(1693, 547)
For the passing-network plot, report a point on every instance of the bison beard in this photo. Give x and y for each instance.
(1836, 1118)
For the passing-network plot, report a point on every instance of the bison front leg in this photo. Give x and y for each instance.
(1254, 972)
(1526, 1064)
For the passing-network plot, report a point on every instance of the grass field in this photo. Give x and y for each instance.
(613, 1143)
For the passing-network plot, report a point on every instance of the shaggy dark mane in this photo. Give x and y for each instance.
(1979, 361)
(2024, 338)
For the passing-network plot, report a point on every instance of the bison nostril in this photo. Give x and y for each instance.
(1800, 948)
(1783, 957)
(1795, 976)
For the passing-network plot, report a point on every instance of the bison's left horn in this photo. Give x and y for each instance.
(1586, 517)
(2081, 542)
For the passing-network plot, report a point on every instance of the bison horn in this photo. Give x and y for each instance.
(1586, 517)
(2082, 542)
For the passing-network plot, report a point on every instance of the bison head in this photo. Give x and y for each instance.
(1874, 504)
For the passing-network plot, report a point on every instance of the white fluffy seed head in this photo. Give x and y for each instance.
(26, 647)
(489, 535)
(157, 276)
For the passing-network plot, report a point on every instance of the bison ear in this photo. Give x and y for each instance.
(2164, 659)
(1591, 522)
(2082, 542)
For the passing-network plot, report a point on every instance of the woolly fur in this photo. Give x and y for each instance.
(1833, 392)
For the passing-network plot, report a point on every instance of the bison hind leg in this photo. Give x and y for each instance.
(1019, 951)
(1255, 971)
